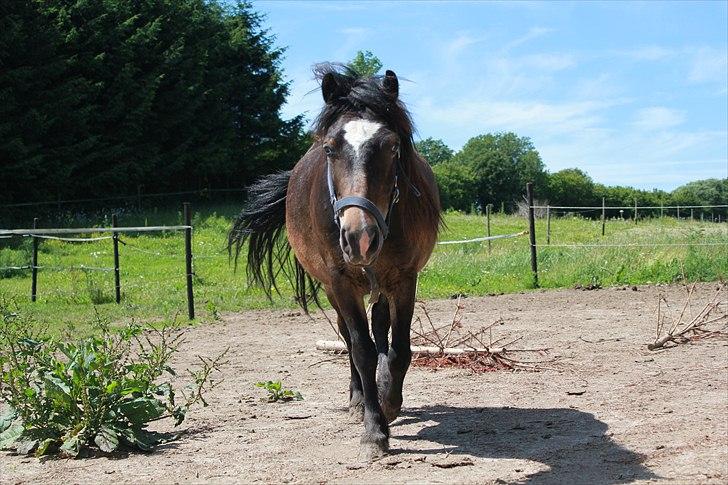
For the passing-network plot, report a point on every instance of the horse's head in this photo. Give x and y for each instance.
(362, 163)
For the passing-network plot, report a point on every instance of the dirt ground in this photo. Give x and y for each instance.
(608, 411)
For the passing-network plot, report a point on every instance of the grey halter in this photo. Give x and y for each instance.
(366, 204)
(383, 222)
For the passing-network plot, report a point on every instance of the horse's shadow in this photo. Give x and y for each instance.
(573, 444)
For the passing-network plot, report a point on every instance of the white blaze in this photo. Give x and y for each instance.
(358, 132)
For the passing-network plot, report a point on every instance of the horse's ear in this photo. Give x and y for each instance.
(329, 87)
(391, 83)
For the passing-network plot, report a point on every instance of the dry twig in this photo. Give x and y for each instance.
(681, 332)
(449, 346)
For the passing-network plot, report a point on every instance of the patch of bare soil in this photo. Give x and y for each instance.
(610, 411)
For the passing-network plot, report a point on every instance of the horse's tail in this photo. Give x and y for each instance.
(262, 224)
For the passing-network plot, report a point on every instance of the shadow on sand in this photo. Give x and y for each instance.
(573, 444)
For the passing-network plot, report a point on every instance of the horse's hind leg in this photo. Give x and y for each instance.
(356, 394)
(380, 329)
(400, 354)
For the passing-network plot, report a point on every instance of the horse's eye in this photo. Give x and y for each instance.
(329, 151)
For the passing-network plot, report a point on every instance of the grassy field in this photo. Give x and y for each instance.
(153, 272)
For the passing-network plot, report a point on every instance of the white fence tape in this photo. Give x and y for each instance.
(488, 238)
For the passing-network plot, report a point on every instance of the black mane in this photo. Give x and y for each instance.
(361, 94)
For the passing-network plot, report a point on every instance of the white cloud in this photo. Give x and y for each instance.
(709, 65)
(471, 117)
(657, 118)
(639, 158)
(533, 33)
(354, 31)
(459, 44)
(601, 86)
(546, 62)
(354, 38)
(304, 96)
(648, 53)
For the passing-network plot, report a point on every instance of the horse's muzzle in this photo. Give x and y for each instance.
(361, 247)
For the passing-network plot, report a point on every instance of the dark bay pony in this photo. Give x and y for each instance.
(361, 212)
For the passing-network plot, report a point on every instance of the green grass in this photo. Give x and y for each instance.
(153, 266)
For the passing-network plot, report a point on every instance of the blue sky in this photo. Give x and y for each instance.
(634, 93)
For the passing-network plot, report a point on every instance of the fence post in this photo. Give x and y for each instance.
(115, 239)
(532, 232)
(488, 208)
(635, 210)
(188, 260)
(34, 264)
(548, 224)
(604, 220)
(662, 210)
(702, 216)
(691, 214)
(678, 213)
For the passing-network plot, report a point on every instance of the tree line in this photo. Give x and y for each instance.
(101, 97)
(494, 168)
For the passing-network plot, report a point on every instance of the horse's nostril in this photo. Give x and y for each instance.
(358, 245)
(374, 244)
(344, 243)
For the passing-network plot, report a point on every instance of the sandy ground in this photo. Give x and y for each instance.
(609, 411)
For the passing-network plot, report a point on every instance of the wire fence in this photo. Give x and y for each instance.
(629, 245)
(37, 234)
(656, 207)
(75, 235)
(534, 247)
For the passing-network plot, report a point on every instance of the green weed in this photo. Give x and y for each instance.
(278, 393)
(99, 392)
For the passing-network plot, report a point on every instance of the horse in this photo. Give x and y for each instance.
(361, 212)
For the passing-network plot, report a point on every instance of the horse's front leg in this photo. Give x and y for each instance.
(402, 304)
(375, 440)
(356, 393)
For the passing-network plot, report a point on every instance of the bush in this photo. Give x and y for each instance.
(97, 392)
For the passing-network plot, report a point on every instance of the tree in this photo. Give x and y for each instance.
(571, 187)
(99, 97)
(434, 150)
(501, 165)
(457, 186)
(44, 108)
(365, 64)
(702, 192)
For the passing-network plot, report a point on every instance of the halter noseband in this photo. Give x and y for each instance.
(362, 202)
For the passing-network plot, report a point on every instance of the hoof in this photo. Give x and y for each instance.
(369, 452)
(356, 411)
(390, 413)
